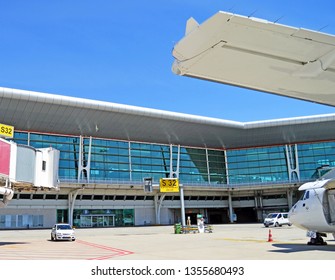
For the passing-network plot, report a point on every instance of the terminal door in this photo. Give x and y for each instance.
(96, 220)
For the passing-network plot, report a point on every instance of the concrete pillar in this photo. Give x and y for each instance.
(182, 206)
(231, 210)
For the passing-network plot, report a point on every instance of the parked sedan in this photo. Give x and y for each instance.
(62, 232)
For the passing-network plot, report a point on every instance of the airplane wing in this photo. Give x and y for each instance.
(259, 55)
(327, 184)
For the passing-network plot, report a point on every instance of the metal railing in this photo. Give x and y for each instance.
(202, 185)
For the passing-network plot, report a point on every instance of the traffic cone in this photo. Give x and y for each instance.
(270, 236)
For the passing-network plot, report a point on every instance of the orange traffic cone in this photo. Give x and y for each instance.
(270, 236)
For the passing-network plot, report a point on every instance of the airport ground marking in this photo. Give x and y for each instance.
(116, 252)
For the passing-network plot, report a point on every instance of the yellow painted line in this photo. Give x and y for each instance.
(242, 240)
(256, 240)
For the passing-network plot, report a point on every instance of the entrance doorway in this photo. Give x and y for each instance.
(246, 215)
(96, 220)
(193, 218)
(211, 215)
(217, 216)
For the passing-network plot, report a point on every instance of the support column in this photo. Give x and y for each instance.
(208, 171)
(259, 205)
(72, 199)
(226, 165)
(7, 193)
(157, 219)
(81, 164)
(158, 206)
(231, 210)
(182, 206)
(292, 162)
(175, 174)
(289, 194)
(130, 163)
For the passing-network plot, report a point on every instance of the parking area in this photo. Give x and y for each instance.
(226, 242)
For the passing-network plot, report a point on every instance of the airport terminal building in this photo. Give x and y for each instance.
(229, 171)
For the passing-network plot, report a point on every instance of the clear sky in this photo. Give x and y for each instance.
(121, 51)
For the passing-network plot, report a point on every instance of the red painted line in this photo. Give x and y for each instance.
(107, 257)
(117, 252)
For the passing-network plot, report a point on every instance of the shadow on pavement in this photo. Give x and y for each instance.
(294, 248)
(12, 243)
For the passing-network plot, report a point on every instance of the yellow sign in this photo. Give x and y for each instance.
(169, 185)
(6, 130)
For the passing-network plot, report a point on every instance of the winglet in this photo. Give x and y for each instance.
(191, 25)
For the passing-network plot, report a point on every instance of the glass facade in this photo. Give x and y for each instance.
(21, 221)
(127, 162)
(109, 159)
(257, 165)
(316, 158)
(149, 160)
(131, 161)
(271, 164)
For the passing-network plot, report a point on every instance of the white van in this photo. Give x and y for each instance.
(277, 220)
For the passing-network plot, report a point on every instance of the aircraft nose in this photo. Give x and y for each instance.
(293, 215)
(291, 210)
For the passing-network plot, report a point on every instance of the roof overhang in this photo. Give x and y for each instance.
(260, 55)
(50, 113)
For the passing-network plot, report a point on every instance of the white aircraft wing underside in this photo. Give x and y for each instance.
(260, 55)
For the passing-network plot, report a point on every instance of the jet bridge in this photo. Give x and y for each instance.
(23, 167)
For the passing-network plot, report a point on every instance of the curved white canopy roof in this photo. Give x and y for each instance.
(50, 113)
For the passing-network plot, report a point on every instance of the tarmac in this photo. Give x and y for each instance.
(226, 242)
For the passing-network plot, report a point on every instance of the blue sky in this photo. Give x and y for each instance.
(121, 51)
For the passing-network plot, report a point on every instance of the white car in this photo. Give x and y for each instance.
(62, 232)
(276, 219)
